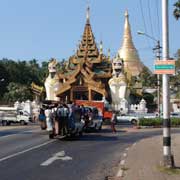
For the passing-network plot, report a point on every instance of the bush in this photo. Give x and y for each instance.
(158, 122)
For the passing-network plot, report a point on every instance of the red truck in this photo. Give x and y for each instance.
(107, 114)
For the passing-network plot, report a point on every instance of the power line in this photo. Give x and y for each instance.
(141, 7)
(157, 12)
(149, 11)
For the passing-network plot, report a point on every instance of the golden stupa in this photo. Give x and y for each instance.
(132, 64)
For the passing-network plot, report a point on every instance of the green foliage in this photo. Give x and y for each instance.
(175, 80)
(3, 79)
(176, 11)
(150, 122)
(158, 122)
(18, 76)
(147, 78)
(17, 92)
(148, 97)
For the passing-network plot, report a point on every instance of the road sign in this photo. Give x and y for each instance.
(164, 67)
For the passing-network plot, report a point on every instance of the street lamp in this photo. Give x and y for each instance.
(156, 49)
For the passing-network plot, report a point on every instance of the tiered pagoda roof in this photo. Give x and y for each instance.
(88, 66)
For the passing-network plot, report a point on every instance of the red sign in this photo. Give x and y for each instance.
(99, 105)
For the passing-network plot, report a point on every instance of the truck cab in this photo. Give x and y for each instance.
(9, 115)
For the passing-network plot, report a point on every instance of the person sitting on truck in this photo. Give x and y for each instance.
(62, 114)
(71, 119)
(83, 111)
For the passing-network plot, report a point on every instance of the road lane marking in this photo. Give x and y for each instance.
(122, 162)
(125, 154)
(16, 132)
(27, 150)
(120, 173)
(49, 161)
(58, 156)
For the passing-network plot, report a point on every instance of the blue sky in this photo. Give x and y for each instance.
(43, 29)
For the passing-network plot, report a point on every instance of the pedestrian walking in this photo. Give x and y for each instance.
(113, 121)
(42, 119)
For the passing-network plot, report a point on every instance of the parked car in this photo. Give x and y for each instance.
(155, 115)
(133, 119)
(175, 114)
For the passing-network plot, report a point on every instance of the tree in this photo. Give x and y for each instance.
(147, 78)
(175, 79)
(176, 11)
(3, 80)
(17, 92)
(22, 74)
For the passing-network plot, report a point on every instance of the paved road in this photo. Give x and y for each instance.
(30, 155)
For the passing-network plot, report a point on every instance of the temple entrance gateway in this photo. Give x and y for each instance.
(79, 92)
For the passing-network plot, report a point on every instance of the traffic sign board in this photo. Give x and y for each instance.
(164, 67)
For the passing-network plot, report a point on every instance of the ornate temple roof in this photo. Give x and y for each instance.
(132, 64)
(88, 63)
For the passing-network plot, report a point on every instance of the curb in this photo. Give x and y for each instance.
(122, 163)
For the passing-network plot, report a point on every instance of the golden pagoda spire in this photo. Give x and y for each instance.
(128, 52)
(127, 37)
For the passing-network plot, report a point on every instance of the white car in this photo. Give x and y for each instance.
(172, 114)
(128, 118)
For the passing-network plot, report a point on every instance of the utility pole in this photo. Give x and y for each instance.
(157, 49)
(158, 56)
(167, 156)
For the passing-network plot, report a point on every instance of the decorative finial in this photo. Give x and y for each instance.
(109, 54)
(126, 13)
(88, 14)
(101, 47)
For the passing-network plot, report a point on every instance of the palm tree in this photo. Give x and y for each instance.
(177, 10)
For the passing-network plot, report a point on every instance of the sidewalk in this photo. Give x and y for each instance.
(144, 159)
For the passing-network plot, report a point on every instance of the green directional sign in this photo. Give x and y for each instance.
(163, 66)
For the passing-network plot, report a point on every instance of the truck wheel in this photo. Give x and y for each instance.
(4, 123)
(80, 133)
(100, 128)
(134, 121)
(8, 123)
(51, 135)
(23, 122)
